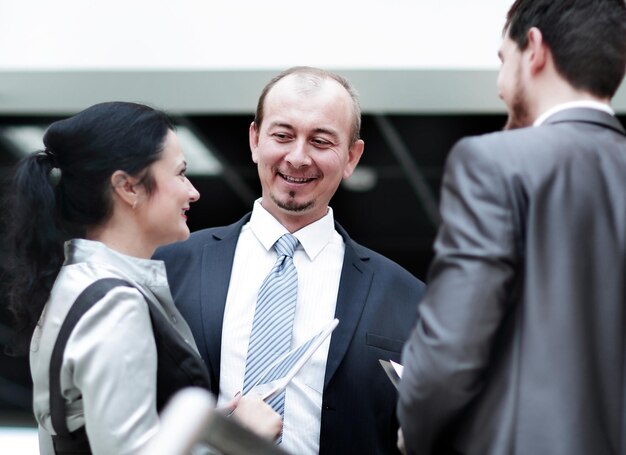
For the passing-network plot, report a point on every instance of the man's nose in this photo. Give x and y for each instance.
(298, 155)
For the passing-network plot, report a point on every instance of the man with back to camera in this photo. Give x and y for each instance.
(304, 140)
(520, 344)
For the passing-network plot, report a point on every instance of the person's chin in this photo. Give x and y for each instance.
(514, 123)
(181, 236)
(293, 205)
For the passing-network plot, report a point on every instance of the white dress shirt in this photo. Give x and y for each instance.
(318, 260)
(108, 376)
(571, 105)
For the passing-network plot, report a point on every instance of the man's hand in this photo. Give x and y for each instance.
(256, 415)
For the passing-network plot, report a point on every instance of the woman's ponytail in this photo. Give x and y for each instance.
(34, 240)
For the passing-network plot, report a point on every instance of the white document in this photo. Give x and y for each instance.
(393, 370)
(283, 370)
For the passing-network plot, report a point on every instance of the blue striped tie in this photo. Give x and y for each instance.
(273, 318)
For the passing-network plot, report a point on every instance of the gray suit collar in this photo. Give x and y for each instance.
(587, 115)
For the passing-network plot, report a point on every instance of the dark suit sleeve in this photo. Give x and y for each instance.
(447, 352)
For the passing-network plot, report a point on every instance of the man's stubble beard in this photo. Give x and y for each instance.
(291, 205)
(519, 113)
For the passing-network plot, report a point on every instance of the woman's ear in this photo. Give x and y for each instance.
(125, 187)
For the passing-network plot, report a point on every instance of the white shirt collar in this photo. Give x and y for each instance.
(313, 237)
(573, 104)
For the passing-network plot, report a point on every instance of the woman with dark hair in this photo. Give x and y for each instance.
(108, 189)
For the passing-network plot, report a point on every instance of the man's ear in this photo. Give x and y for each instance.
(538, 51)
(125, 187)
(253, 136)
(354, 155)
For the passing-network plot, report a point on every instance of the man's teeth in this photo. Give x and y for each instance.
(295, 179)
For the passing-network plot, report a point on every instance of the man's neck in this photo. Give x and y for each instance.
(295, 221)
(555, 95)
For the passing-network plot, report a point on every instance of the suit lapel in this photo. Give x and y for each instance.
(354, 285)
(217, 263)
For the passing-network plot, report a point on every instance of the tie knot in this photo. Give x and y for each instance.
(286, 245)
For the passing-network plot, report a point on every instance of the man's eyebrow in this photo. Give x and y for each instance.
(288, 126)
(281, 125)
(330, 132)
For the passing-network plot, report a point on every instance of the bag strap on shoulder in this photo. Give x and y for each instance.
(87, 299)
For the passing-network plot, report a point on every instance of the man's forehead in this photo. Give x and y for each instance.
(320, 97)
(324, 95)
(306, 84)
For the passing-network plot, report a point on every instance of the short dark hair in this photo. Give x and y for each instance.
(59, 192)
(587, 39)
(316, 75)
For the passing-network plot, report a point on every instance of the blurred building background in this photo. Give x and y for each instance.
(426, 71)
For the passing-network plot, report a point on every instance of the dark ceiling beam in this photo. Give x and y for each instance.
(410, 167)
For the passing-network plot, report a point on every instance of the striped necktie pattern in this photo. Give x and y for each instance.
(272, 325)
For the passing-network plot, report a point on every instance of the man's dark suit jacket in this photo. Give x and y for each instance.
(376, 307)
(521, 344)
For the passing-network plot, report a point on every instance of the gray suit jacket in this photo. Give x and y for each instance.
(520, 344)
(376, 308)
